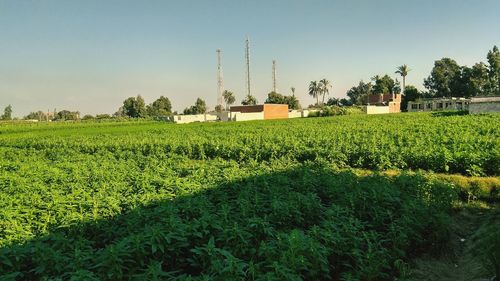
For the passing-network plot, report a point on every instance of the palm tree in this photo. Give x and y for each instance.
(325, 87)
(403, 71)
(314, 90)
(293, 91)
(228, 98)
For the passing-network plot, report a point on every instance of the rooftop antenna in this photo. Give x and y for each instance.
(274, 76)
(220, 81)
(247, 58)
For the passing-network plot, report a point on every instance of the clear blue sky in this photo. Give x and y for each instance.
(91, 55)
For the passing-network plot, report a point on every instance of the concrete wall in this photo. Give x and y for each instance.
(394, 107)
(224, 116)
(295, 114)
(183, 119)
(373, 109)
(247, 116)
(483, 107)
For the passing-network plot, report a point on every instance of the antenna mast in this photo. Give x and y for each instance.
(274, 76)
(220, 81)
(247, 58)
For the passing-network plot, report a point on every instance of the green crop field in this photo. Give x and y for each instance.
(340, 198)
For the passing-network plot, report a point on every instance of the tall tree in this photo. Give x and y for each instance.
(249, 100)
(199, 107)
(293, 91)
(160, 107)
(276, 98)
(444, 78)
(325, 86)
(134, 107)
(474, 81)
(314, 90)
(229, 98)
(383, 84)
(7, 113)
(357, 94)
(403, 71)
(411, 94)
(494, 71)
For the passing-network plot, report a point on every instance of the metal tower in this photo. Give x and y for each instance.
(220, 81)
(274, 76)
(247, 58)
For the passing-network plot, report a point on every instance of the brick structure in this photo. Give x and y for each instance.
(393, 101)
(271, 111)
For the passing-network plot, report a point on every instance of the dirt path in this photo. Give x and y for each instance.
(458, 263)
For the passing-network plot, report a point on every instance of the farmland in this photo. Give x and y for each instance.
(341, 198)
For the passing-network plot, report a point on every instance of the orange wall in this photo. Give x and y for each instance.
(275, 111)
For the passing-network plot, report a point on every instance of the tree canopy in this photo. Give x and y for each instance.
(134, 107)
(276, 98)
(159, 108)
(199, 107)
(66, 115)
(357, 94)
(7, 113)
(229, 98)
(249, 100)
(383, 84)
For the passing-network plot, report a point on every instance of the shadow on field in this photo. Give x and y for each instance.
(305, 223)
(449, 113)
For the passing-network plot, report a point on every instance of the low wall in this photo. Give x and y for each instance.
(183, 119)
(373, 109)
(240, 116)
(484, 107)
(294, 114)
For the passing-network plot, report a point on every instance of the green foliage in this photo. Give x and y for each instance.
(39, 115)
(7, 113)
(383, 84)
(358, 94)
(249, 100)
(449, 79)
(275, 98)
(159, 108)
(66, 115)
(330, 110)
(324, 88)
(486, 242)
(494, 71)
(229, 98)
(444, 77)
(134, 107)
(264, 201)
(315, 90)
(411, 94)
(199, 107)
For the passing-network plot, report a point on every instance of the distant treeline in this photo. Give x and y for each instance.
(447, 79)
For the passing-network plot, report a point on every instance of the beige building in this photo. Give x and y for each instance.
(438, 104)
